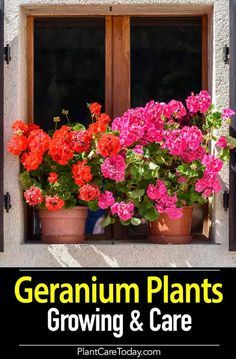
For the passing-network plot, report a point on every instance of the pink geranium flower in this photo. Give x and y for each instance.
(125, 211)
(114, 168)
(227, 113)
(199, 103)
(106, 200)
(222, 142)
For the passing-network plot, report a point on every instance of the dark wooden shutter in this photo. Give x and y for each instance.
(232, 195)
(1, 122)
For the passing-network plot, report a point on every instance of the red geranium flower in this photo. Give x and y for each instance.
(109, 145)
(33, 196)
(97, 127)
(54, 203)
(31, 160)
(105, 118)
(53, 177)
(17, 145)
(81, 173)
(19, 127)
(81, 141)
(60, 148)
(89, 192)
(95, 108)
(32, 127)
(39, 140)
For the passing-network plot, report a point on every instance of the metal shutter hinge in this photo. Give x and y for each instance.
(226, 200)
(226, 54)
(7, 202)
(7, 54)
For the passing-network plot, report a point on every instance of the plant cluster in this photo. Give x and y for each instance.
(153, 159)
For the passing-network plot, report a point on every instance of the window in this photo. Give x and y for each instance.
(69, 67)
(120, 61)
(169, 52)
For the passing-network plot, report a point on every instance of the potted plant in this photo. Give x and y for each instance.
(165, 165)
(60, 172)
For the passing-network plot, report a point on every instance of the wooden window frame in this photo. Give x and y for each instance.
(117, 74)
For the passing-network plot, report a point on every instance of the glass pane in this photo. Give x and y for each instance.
(166, 58)
(69, 67)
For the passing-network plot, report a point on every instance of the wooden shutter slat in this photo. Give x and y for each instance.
(121, 64)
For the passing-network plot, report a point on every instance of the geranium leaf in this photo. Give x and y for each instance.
(137, 193)
(135, 221)
(106, 222)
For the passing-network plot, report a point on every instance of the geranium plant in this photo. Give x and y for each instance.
(61, 168)
(165, 161)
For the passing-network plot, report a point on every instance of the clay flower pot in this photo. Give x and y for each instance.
(65, 226)
(172, 231)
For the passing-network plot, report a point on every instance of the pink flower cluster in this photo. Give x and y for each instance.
(185, 143)
(227, 113)
(146, 124)
(125, 211)
(222, 142)
(209, 183)
(106, 200)
(164, 202)
(33, 196)
(199, 103)
(114, 168)
(212, 163)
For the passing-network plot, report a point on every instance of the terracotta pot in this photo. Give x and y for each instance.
(173, 231)
(65, 226)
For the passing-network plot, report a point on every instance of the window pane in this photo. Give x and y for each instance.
(166, 56)
(69, 67)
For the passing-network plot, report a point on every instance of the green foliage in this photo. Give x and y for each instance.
(93, 205)
(26, 180)
(135, 221)
(106, 222)
(137, 193)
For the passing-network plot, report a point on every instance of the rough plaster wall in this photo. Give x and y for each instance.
(19, 254)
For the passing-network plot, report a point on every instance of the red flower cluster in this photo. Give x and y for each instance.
(109, 145)
(89, 192)
(17, 144)
(95, 108)
(81, 141)
(54, 203)
(81, 173)
(53, 177)
(20, 127)
(39, 141)
(33, 196)
(31, 160)
(60, 149)
(97, 127)
(105, 118)
(30, 138)
(100, 125)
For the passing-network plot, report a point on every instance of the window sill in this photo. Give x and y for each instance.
(197, 240)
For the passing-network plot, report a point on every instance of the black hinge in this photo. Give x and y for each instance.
(226, 200)
(226, 54)
(7, 202)
(7, 54)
